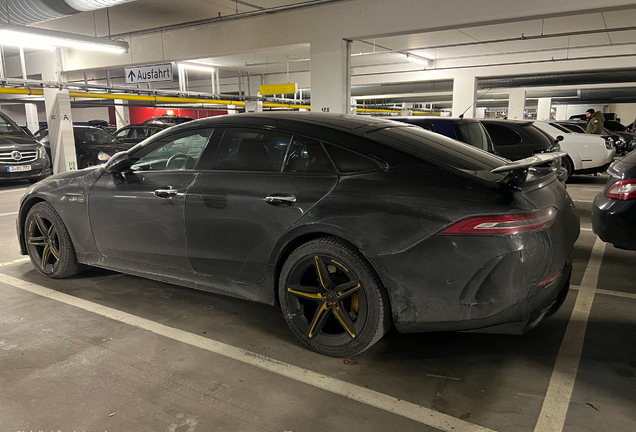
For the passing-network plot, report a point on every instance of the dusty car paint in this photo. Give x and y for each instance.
(220, 235)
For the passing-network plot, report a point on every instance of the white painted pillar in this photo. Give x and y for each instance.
(544, 109)
(330, 76)
(231, 110)
(32, 120)
(253, 106)
(464, 95)
(407, 109)
(122, 113)
(561, 112)
(60, 121)
(516, 104)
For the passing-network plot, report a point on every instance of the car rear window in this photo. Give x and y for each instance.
(614, 126)
(473, 133)
(435, 148)
(502, 135)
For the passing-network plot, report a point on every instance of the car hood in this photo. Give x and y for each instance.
(16, 142)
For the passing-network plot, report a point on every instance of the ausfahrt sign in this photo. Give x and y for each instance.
(148, 74)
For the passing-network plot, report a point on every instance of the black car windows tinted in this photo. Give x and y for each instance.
(122, 133)
(473, 133)
(247, 149)
(437, 148)
(91, 135)
(307, 156)
(502, 135)
(349, 162)
(174, 153)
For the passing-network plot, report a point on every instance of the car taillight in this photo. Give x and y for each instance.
(622, 190)
(504, 224)
(609, 143)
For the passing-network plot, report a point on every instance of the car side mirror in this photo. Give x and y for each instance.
(559, 138)
(118, 163)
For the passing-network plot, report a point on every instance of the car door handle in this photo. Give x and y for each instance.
(169, 192)
(280, 199)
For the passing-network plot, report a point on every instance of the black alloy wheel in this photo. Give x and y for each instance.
(332, 298)
(87, 163)
(48, 243)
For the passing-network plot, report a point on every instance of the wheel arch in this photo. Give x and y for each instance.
(24, 210)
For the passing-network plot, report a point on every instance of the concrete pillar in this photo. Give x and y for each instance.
(544, 109)
(253, 106)
(516, 104)
(122, 113)
(32, 120)
(231, 110)
(464, 95)
(407, 109)
(60, 121)
(561, 112)
(330, 76)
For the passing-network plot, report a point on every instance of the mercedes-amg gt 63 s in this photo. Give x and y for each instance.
(351, 224)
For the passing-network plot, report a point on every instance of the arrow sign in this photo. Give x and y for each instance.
(149, 74)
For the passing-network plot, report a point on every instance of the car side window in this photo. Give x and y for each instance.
(502, 135)
(139, 133)
(179, 152)
(306, 155)
(250, 149)
(349, 162)
(122, 133)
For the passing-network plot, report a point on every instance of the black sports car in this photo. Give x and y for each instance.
(614, 211)
(93, 146)
(352, 224)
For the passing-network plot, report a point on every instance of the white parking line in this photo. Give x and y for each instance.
(557, 400)
(17, 261)
(8, 214)
(610, 293)
(373, 398)
(12, 190)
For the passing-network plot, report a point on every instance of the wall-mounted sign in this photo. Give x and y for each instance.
(148, 74)
(278, 89)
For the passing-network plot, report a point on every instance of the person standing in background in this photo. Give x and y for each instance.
(595, 121)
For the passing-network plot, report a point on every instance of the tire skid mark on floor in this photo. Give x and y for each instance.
(557, 400)
(363, 395)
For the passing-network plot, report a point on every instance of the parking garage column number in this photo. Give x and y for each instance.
(326, 109)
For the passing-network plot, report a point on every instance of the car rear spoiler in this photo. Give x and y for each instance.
(518, 170)
(522, 164)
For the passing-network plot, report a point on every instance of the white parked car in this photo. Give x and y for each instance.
(587, 154)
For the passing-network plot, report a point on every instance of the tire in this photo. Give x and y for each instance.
(49, 244)
(87, 163)
(341, 309)
(569, 166)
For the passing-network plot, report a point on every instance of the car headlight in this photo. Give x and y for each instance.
(41, 152)
(103, 156)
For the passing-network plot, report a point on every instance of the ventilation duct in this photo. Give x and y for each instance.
(555, 79)
(26, 12)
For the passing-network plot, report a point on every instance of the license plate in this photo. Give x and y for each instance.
(19, 168)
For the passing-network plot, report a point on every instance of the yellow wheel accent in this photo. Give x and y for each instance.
(45, 255)
(355, 303)
(321, 311)
(343, 267)
(341, 318)
(317, 296)
(321, 276)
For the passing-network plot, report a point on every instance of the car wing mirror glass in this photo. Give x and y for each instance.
(118, 163)
(559, 138)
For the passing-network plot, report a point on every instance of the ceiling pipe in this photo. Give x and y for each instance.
(25, 12)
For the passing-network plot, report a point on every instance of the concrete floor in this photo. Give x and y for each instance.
(63, 368)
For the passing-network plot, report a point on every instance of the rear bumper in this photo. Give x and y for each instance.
(462, 283)
(615, 221)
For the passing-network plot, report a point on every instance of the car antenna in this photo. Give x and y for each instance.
(461, 116)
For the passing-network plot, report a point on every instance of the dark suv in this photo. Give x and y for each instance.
(468, 131)
(21, 155)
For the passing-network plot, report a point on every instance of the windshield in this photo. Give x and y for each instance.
(93, 136)
(473, 133)
(433, 147)
(7, 126)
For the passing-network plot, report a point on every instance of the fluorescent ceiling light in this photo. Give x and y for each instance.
(416, 59)
(196, 67)
(34, 38)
